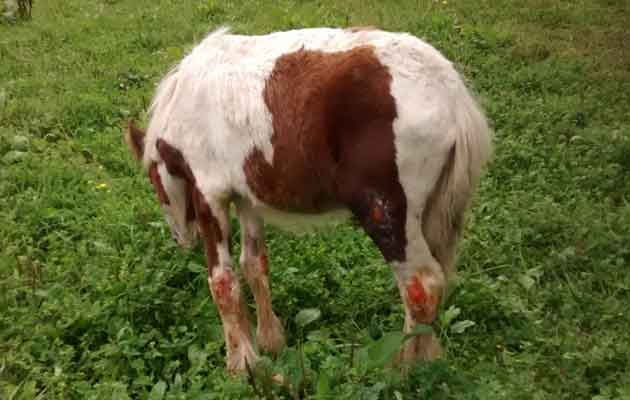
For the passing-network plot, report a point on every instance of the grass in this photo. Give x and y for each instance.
(97, 302)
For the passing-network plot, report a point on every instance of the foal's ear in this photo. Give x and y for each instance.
(135, 140)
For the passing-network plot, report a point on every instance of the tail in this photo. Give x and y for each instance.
(443, 216)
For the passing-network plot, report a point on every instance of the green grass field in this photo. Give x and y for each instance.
(97, 302)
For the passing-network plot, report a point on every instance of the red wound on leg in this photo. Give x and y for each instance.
(221, 290)
(377, 213)
(264, 264)
(422, 305)
(416, 293)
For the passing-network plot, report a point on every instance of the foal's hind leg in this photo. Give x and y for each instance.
(421, 278)
(383, 214)
(255, 267)
(421, 283)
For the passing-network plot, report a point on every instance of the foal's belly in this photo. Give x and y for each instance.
(300, 222)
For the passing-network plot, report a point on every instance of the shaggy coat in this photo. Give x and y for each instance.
(305, 123)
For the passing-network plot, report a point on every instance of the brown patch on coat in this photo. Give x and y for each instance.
(174, 160)
(178, 166)
(156, 180)
(333, 142)
(196, 206)
(209, 228)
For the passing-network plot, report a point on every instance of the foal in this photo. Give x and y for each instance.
(308, 122)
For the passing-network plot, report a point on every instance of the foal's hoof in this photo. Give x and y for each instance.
(271, 339)
(424, 347)
(238, 363)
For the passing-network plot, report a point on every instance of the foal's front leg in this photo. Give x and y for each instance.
(213, 220)
(255, 267)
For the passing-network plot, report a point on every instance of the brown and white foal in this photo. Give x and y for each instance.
(309, 122)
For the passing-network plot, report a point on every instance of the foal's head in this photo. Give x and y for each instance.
(173, 183)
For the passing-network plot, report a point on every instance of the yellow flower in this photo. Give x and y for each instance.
(101, 186)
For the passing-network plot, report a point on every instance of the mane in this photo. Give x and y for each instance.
(220, 31)
(158, 112)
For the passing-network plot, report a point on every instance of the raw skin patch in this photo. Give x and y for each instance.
(416, 293)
